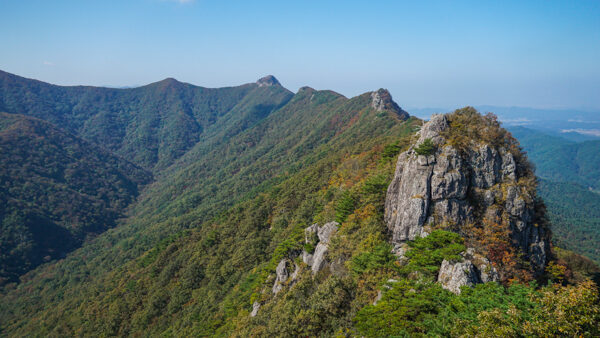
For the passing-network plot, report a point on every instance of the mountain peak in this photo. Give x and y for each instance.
(267, 81)
(382, 100)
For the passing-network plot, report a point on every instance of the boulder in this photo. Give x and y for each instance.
(453, 275)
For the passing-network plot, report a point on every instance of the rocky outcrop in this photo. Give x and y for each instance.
(470, 270)
(255, 308)
(454, 275)
(282, 274)
(448, 186)
(382, 100)
(319, 238)
(268, 81)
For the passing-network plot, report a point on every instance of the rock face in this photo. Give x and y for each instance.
(382, 100)
(319, 236)
(454, 275)
(282, 273)
(453, 187)
(471, 270)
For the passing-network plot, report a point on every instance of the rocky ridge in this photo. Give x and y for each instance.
(382, 100)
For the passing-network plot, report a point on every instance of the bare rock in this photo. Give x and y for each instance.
(255, 308)
(321, 237)
(268, 81)
(382, 100)
(282, 274)
(460, 187)
(454, 275)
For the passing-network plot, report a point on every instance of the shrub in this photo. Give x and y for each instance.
(425, 148)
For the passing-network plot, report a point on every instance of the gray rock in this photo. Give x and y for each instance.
(307, 258)
(326, 231)
(449, 186)
(255, 308)
(454, 275)
(382, 100)
(378, 297)
(432, 129)
(282, 274)
(310, 234)
(318, 259)
(268, 81)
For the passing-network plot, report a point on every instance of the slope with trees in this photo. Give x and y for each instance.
(56, 190)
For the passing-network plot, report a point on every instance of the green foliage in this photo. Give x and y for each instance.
(202, 243)
(56, 190)
(425, 148)
(378, 257)
(560, 160)
(575, 216)
(344, 206)
(151, 126)
(391, 151)
(240, 197)
(427, 253)
(404, 310)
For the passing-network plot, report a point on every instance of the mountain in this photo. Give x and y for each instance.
(278, 219)
(569, 186)
(152, 125)
(573, 211)
(57, 189)
(557, 159)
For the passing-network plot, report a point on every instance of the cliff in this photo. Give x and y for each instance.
(467, 174)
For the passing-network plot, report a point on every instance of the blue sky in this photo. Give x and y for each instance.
(427, 53)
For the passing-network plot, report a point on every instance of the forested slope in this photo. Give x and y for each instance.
(302, 141)
(569, 186)
(152, 125)
(561, 160)
(55, 190)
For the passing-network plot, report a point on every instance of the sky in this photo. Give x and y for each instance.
(542, 54)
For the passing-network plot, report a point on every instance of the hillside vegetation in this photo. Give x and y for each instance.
(56, 190)
(569, 186)
(560, 160)
(201, 274)
(152, 125)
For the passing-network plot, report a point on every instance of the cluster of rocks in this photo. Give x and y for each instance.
(317, 237)
(447, 186)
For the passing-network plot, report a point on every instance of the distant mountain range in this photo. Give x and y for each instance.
(573, 124)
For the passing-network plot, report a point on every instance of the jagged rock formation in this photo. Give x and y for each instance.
(471, 270)
(454, 275)
(319, 236)
(282, 273)
(452, 186)
(382, 100)
(255, 308)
